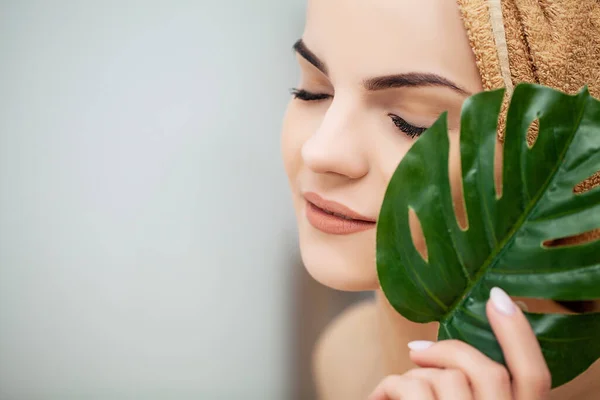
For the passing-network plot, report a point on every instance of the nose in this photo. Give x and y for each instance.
(337, 147)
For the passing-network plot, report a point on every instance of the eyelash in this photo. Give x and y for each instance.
(303, 95)
(410, 130)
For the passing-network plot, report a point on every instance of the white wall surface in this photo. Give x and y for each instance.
(146, 235)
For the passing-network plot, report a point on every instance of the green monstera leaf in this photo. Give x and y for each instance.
(505, 242)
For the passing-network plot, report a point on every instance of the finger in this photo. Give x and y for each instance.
(447, 384)
(400, 387)
(524, 358)
(489, 380)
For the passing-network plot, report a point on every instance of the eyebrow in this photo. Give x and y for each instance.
(300, 48)
(411, 79)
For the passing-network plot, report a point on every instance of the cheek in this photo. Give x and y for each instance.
(388, 151)
(293, 137)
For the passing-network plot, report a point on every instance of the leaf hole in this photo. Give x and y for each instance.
(545, 306)
(499, 149)
(533, 133)
(588, 184)
(574, 240)
(456, 183)
(498, 165)
(416, 233)
(580, 307)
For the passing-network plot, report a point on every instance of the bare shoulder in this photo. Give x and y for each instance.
(346, 359)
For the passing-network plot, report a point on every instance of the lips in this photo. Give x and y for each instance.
(334, 218)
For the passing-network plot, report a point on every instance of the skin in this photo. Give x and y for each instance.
(345, 148)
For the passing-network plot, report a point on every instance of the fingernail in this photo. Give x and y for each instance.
(419, 345)
(502, 302)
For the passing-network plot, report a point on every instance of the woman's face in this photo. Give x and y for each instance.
(374, 74)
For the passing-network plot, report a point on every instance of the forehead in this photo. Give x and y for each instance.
(358, 39)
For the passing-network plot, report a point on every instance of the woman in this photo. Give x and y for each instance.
(375, 75)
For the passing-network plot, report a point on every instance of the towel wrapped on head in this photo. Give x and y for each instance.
(551, 42)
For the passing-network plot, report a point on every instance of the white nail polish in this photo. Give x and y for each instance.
(502, 302)
(419, 345)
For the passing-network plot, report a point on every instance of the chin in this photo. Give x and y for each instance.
(341, 262)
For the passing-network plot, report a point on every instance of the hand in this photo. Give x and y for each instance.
(453, 370)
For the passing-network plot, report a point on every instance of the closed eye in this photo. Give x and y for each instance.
(409, 129)
(304, 95)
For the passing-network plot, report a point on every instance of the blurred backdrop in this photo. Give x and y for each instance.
(147, 240)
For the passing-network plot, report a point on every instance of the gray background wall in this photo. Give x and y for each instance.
(147, 241)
